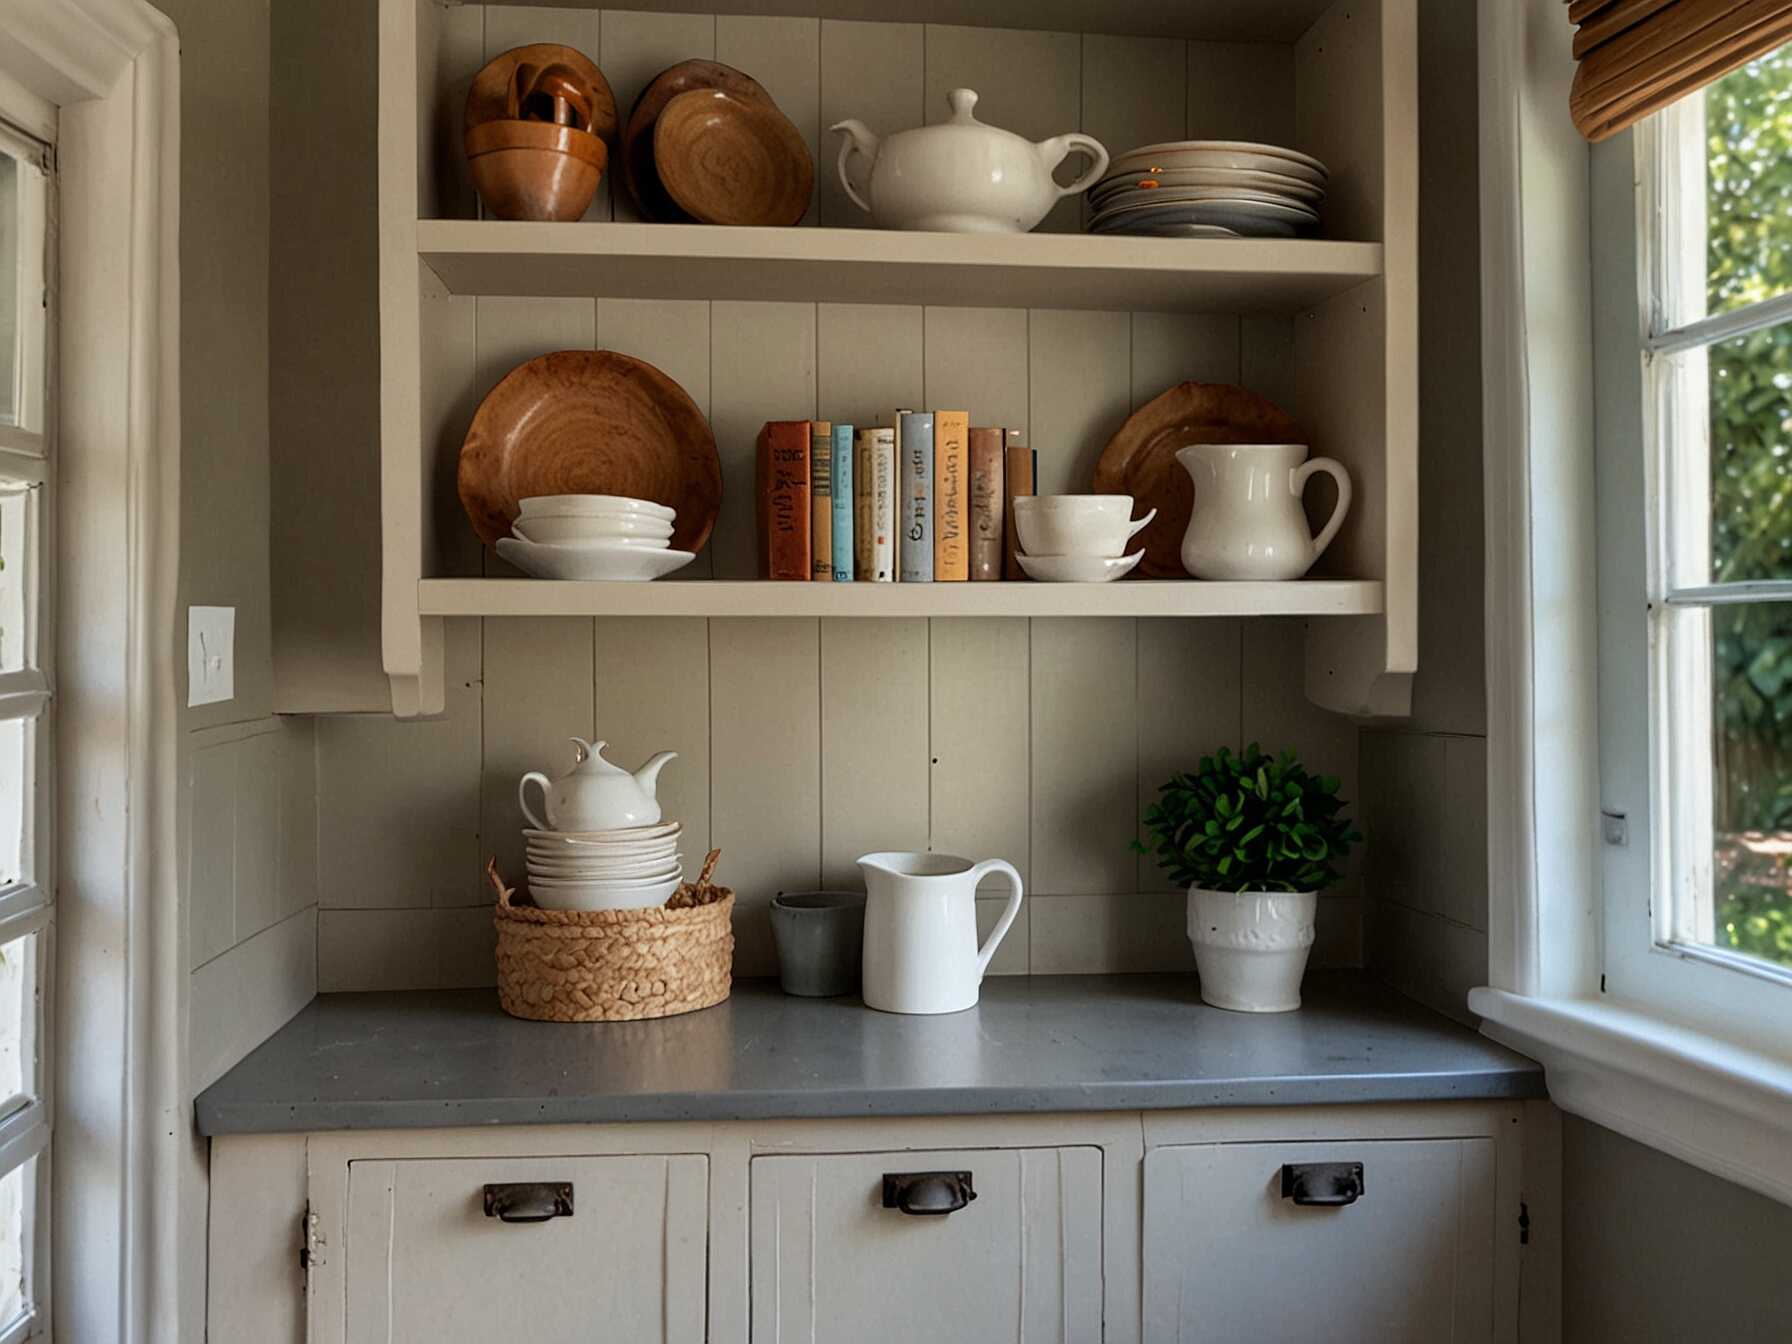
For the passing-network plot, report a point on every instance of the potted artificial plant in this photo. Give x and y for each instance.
(1253, 838)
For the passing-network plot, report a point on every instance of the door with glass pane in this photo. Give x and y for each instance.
(26, 882)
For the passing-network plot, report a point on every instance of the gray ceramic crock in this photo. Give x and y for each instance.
(819, 936)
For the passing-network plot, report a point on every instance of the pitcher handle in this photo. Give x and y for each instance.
(522, 788)
(1298, 484)
(991, 943)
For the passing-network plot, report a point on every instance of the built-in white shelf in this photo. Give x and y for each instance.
(724, 597)
(1032, 270)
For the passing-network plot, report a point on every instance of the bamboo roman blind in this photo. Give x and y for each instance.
(1637, 56)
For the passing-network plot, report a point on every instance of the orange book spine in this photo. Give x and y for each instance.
(783, 500)
(951, 496)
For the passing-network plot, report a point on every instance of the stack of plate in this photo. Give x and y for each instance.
(1210, 189)
(592, 537)
(604, 870)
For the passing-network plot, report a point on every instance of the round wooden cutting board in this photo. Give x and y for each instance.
(726, 159)
(639, 171)
(1140, 460)
(590, 422)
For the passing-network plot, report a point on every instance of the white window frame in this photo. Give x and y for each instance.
(27, 457)
(1628, 1030)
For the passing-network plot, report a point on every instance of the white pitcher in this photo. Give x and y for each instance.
(921, 953)
(1248, 522)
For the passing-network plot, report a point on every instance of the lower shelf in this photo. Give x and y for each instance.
(725, 597)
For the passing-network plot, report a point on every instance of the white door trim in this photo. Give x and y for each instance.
(111, 67)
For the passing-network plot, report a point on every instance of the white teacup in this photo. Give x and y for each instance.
(559, 528)
(533, 505)
(1089, 525)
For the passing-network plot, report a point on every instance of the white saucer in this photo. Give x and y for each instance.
(592, 560)
(1077, 568)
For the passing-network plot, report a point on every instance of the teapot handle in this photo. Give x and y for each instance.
(849, 146)
(1078, 143)
(991, 943)
(522, 789)
(1297, 483)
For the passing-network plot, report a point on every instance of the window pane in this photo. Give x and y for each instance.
(17, 1194)
(15, 566)
(15, 798)
(1750, 406)
(1748, 128)
(10, 219)
(1751, 798)
(18, 1018)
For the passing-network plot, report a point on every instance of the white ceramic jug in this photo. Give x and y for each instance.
(921, 953)
(1248, 522)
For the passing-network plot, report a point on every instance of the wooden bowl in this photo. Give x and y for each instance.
(590, 422)
(534, 169)
(637, 166)
(1140, 460)
(728, 159)
(494, 92)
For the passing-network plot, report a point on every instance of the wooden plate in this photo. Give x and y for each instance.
(728, 159)
(638, 170)
(590, 422)
(1140, 460)
(488, 98)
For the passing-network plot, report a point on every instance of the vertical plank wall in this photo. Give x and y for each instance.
(804, 743)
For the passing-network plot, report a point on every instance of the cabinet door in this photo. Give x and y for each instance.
(1020, 1262)
(425, 1262)
(1229, 1258)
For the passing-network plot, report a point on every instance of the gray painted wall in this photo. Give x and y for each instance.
(1657, 1252)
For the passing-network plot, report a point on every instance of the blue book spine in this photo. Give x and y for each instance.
(916, 471)
(843, 504)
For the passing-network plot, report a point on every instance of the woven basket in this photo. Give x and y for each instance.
(613, 965)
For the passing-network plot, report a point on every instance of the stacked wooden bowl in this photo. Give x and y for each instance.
(534, 129)
(706, 144)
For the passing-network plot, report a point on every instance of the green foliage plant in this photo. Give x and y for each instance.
(1250, 822)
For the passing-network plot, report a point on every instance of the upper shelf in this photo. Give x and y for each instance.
(813, 265)
(750, 597)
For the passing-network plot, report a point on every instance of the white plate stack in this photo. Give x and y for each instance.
(1210, 189)
(604, 870)
(593, 537)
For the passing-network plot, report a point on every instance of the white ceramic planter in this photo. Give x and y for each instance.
(1251, 947)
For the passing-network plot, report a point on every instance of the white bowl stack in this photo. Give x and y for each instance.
(1210, 189)
(604, 870)
(1076, 538)
(593, 537)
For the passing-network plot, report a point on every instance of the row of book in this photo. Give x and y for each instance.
(928, 498)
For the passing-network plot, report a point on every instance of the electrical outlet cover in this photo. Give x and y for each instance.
(211, 655)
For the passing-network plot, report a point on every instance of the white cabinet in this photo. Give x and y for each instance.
(1021, 1261)
(431, 1259)
(1409, 1260)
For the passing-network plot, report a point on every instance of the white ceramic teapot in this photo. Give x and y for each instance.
(595, 795)
(962, 176)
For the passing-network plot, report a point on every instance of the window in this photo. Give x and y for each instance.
(26, 884)
(1701, 916)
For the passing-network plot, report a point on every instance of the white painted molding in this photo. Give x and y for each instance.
(1537, 394)
(1723, 1108)
(112, 69)
(68, 51)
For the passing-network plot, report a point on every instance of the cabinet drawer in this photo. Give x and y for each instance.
(1022, 1261)
(1229, 1257)
(427, 1262)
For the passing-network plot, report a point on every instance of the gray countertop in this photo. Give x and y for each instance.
(1035, 1043)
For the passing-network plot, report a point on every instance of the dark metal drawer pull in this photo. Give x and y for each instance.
(927, 1194)
(529, 1201)
(1322, 1184)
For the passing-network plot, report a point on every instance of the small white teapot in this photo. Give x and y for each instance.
(962, 176)
(595, 795)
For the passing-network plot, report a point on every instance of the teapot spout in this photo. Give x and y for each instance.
(648, 775)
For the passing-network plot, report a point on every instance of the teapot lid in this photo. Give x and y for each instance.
(591, 759)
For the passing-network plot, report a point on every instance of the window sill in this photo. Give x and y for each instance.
(1720, 1107)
